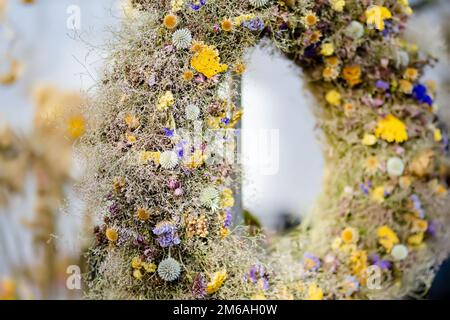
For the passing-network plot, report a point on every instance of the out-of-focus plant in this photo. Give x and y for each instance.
(47, 154)
(11, 68)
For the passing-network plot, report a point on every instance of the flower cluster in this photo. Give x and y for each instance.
(167, 233)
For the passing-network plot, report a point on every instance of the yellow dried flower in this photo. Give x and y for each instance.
(314, 292)
(391, 129)
(416, 239)
(358, 260)
(369, 139)
(327, 49)
(146, 156)
(333, 97)
(118, 184)
(207, 62)
(437, 135)
(131, 138)
(405, 86)
(216, 282)
(377, 194)
(136, 263)
(224, 232)
(239, 68)
(111, 235)
(149, 267)
(411, 74)
(226, 198)
(131, 121)
(167, 100)
(310, 19)
(349, 235)
(337, 5)
(196, 160)
(188, 75)
(375, 15)
(387, 238)
(330, 73)
(76, 127)
(137, 274)
(142, 214)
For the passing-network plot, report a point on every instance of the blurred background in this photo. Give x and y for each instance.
(50, 55)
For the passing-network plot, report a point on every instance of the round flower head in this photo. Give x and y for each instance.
(259, 3)
(111, 235)
(209, 197)
(349, 235)
(169, 269)
(227, 25)
(170, 21)
(399, 252)
(182, 39)
(354, 30)
(168, 159)
(192, 112)
(395, 166)
(142, 214)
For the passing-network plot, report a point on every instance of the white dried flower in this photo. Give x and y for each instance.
(355, 30)
(182, 39)
(224, 90)
(168, 159)
(169, 269)
(209, 197)
(399, 252)
(402, 58)
(259, 3)
(192, 112)
(395, 166)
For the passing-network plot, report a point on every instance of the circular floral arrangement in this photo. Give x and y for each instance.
(165, 195)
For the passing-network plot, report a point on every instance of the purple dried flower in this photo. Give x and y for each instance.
(380, 84)
(311, 262)
(432, 228)
(228, 219)
(114, 209)
(167, 232)
(418, 205)
(255, 24)
(197, 5)
(258, 274)
(168, 132)
(173, 184)
(383, 264)
(139, 240)
(150, 253)
(365, 187)
(199, 286)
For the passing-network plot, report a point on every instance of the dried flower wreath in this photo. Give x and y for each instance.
(166, 199)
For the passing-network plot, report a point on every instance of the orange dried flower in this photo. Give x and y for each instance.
(227, 25)
(188, 75)
(352, 74)
(170, 21)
